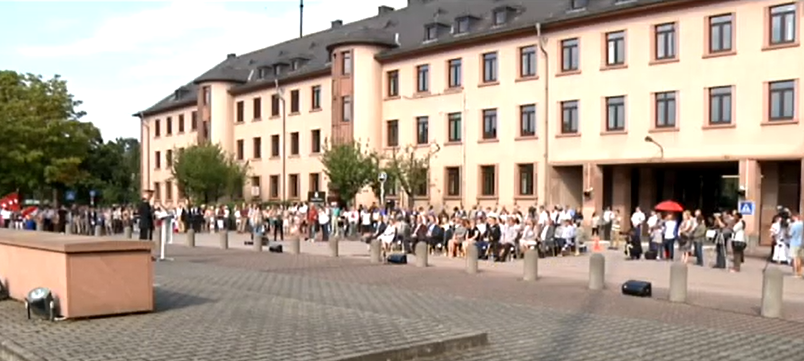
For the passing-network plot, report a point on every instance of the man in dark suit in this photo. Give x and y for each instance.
(146, 220)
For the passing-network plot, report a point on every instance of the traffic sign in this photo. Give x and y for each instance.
(746, 208)
(382, 177)
(69, 196)
(317, 197)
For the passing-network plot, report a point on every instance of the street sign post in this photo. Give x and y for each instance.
(382, 177)
(92, 195)
(317, 197)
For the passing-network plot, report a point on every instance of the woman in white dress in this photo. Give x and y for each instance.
(388, 236)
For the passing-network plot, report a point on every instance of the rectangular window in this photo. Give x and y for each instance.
(294, 143)
(168, 190)
(455, 73)
(615, 113)
(194, 120)
(453, 181)
(526, 180)
(578, 4)
(720, 106)
(169, 158)
(423, 78)
(392, 133)
(500, 17)
(346, 113)
(240, 112)
(346, 62)
(489, 124)
(274, 186)
(393, 83)
(275, 105)
(615, 48)
(783, 24)
(570, 55)
(721, 32)
(569, 117)
(157, 159)
(461, 26)
(315, 182)
(206, 95)
(256, 145)
(782, 95)
(665, 41)
(294, 101)
(422, 130)
(181, 123)
(665, 108)
(430, 32)
(488, 181)
(490, 67)
(275, 145)
(316, 97)
(293, 186)
(454, 127)
(527, 61)
(157, 128)
(527, 120)
(315, 141)
(256, 185)
(240, 150)
(257, 108)
(423, 188)
(157, 191)
(169, 125)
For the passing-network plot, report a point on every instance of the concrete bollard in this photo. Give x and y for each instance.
(127, 232)
(678, 282)
(375, 251)
(472, 256)
(223, 239)
(333, 247)
(190, 238)
(40, 226)
(98, 231)
(295, 246)
(421, 254)
(772, 291)
(597, 272)
(68, 228)
(531, 272)
(257, 245)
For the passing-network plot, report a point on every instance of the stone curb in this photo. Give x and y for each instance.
(420, 350)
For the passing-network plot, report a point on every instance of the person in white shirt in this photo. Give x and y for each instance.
(323, 222)
(637, 219)
(669, 233)
(608, 218)
(388, 235)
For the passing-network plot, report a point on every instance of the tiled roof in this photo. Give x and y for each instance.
(401, 31)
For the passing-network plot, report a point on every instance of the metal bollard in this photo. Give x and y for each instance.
(223, 238)
(333, 247)
(295, 246)
(127, 232)
(190, 238)
(531, 272)
(472, 256)
(597, 272)
(98, 231)
(678, 282)
(772, 291)
(421, 254)
(257, 245)
(375, 251)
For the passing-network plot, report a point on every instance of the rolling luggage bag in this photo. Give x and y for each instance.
(397, 258)
(637, 288)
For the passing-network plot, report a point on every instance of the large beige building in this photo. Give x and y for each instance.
(590, 103)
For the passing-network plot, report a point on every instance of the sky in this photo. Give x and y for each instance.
(121, 57)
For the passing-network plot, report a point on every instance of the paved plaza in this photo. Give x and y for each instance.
(242, 305)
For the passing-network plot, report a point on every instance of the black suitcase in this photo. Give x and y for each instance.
(275, 248)
(637, 288)
(398, 258)
(651, 255)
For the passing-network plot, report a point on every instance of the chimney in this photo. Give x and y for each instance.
(337, 23)
(231, 56)
(382, 10)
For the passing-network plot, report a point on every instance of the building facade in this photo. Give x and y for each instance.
(567, 102)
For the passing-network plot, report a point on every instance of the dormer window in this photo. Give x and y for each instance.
(295, 65)
(278, 69)
(500, 16)
(623, 2)
(263, 72)
(461, 25)
(578, 4)
(431, 32)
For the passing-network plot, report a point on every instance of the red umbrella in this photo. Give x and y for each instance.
(669, 206)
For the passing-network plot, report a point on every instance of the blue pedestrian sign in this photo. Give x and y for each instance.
(92, 193)
(746, 208)
(69, 196)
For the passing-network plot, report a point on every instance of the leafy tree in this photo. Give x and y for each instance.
(205, 173)
(43, 143)
(350, 167)
(410, 169)
(114, 167)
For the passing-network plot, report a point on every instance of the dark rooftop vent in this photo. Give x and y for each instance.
(337, 23)
(382, 10)
(231, 56)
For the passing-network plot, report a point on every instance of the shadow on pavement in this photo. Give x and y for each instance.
(167, 300)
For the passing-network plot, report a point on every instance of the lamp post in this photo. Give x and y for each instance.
(280, 92)
(649, 139)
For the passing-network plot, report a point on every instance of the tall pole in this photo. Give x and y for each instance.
(463, 152)
(281, 94)
(301, 18)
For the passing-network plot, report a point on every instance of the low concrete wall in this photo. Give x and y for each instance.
(90, 276)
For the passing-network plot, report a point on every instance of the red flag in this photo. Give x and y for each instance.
(29, 210)
(10, 202)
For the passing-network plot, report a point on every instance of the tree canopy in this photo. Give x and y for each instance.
(205, 173)
(350, 167)
(410, 170)
(45, 148)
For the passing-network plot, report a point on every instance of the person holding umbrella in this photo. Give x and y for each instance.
(670, 227)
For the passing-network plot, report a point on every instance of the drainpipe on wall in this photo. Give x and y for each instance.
(281, 93)
(147, 151)
(545, 113)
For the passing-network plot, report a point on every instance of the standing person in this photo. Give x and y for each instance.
(146, 219)
(698, 239)
(669, 236)
(796, 235)
(738, 242)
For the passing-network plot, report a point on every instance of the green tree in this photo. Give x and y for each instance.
(43, 143)
(350, 167)
(114, 169)
(410, 169)
(205, 173)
